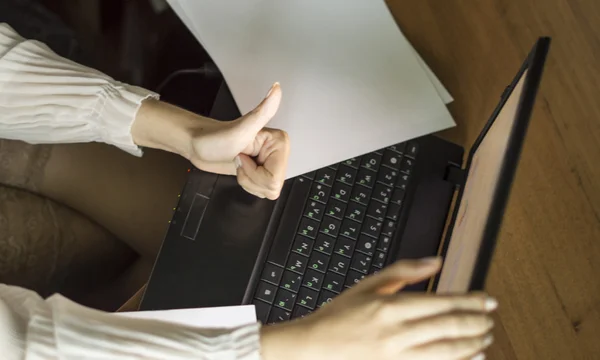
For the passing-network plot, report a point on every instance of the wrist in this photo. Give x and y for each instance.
(288, 341)
(160, 125)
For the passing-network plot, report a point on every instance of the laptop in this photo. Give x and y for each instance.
(334, 226)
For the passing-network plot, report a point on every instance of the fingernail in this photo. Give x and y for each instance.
(491, 304)
(488, 340)
(238, 162)
(272, 88)
(480, 356)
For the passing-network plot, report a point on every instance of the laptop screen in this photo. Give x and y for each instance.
(474, 210)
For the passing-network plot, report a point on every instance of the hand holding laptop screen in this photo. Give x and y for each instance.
(366, 322)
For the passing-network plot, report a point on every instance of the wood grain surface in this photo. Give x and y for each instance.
(546, 271)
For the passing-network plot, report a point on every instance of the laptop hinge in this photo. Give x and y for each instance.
(455, 175)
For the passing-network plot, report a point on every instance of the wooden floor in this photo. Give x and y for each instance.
(546, 271)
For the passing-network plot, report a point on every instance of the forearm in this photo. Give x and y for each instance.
(163, 126)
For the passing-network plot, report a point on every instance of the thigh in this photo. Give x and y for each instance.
(131, 197)
(50, 248)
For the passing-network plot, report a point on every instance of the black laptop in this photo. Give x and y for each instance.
(332, 227)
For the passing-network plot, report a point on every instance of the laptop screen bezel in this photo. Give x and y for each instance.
(534, 66)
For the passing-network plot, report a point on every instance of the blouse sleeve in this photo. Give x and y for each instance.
(32, 328)
(45, 98)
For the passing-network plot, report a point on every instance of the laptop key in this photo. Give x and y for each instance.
(313, 279)
(330, 226)
(377, 210)
(361, 195)
(333, 282)
(399, 148)
(361, 262)
(388, 228)
(341, 192)
(272, 273)
(324, 244)
(325, 297)
(344, 247)
(393, 211)
(379, 260)
(310, 175)
(382, 193)
(285, 299)
(387, 176)
(325, 176)
(308, 228)
(336, 209)
(279, 315)
(314, 210)
(300, 312)
(384, 243)
(266, 292)
(356, 211)
(318, 261)
(319, 192)
(339, 264)
(371, 161)
(292, 213)
(291, 281)
(403, 181)
(366, 178)
(397, 197)
(297, 263)
(346, 174)
(392, 159)
(307, 297)
(353, 278)
(302, 245)
(350, 229)
(352, 162)
(407, 165)
(412, 149)
(372, 227)
(262, 310)
(366, 245)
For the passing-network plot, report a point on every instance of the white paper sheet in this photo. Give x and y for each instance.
(217, 317)
(352, 83)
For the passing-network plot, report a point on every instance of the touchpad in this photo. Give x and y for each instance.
(212, 268)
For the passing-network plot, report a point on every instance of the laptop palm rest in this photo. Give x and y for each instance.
(228, 239)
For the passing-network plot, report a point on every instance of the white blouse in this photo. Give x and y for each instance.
(45, 98)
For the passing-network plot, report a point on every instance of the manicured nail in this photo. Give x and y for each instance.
(272, 88)
(491, 304)
(238, 162)
(480, 356)
(488, 341)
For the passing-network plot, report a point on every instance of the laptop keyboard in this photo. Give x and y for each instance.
(337, 227)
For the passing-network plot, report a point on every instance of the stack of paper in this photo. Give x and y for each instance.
(351, 81)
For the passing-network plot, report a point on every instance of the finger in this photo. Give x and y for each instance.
(258, 118)
(422, 306)
(268, 184)
(247, 184)
(451, 349)
(398, 275)
(447, 326)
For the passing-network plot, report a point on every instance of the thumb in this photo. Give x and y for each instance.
(400, 274)
(258, 118)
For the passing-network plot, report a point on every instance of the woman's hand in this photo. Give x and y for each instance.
(243, 147)
(371, 321)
